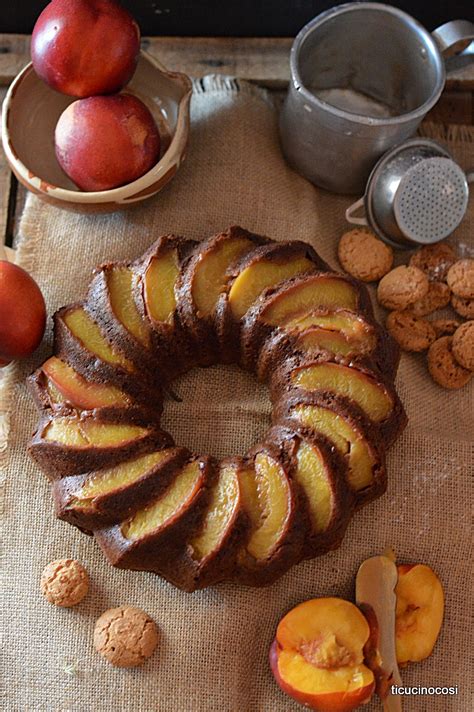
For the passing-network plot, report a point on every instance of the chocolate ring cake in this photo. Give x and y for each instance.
(274, 308)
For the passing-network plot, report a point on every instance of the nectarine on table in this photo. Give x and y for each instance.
(22, 313)
(85, 47)
(106, 141)
(419, 612)
(317, 656)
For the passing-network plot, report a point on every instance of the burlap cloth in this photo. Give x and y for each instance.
(214, 644)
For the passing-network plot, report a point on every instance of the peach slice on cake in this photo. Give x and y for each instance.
(325, 495)
(293, 301)
(123, 284)
(271, 507)
(105, 496)
(419, 612)
(317, 656)
(356, 385)
(159, 284)
(305, 295)
(65, 385)
(266, 268)
(209, 277)
(209, 555)
(203, 284)
(67, 445)
(82, 326)
(156, 532)
(365, 473)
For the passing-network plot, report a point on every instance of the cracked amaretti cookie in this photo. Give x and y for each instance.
(277, 310)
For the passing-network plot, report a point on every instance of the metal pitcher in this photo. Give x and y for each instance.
(363, 76)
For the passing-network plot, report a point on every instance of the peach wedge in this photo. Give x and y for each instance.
(317, 656)
(419, 612)
(64, 384)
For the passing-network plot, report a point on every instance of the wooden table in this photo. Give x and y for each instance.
(263, 61)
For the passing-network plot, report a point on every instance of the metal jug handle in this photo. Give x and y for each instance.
(453, 37)
(351, 218)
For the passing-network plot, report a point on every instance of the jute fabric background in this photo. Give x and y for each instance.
(214, 644)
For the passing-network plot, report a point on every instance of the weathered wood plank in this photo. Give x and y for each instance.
(259, 59)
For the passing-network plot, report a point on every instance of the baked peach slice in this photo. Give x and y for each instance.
(161, 269)
(358, 386)
(209, 555)
(419, 612)
(83, 345)
(295, 300)
(108, 495)
(159, 286)
(267, 267)
(85, 329)
(67, 444)
(317, 656)
(204, 281)
(65, 385)
(365, 469)
(150, 538)
(276, 522)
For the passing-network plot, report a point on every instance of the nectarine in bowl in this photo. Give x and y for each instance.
(31, 111)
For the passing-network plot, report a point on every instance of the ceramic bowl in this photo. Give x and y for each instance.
(30, 113)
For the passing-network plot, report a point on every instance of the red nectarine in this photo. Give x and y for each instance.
(22, 313)
(85, 47)
(106, 141)
(317, 655)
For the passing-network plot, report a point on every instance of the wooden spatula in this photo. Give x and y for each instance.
(375, 595)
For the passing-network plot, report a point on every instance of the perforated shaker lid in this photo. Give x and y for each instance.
(431, 200)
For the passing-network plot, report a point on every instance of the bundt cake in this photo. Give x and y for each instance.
(274, 308)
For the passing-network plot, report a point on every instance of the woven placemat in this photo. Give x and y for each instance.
(214, 644)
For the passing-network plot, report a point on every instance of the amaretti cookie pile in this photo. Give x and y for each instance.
(277, 310)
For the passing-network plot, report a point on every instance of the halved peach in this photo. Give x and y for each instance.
(260, 275)
(64, 384)
(317, 655)
(307, 294)
(346, 438)
(122, 284)
(160, 281)
(419, 612)
(88, 333)
(368, 393)
(210, 272)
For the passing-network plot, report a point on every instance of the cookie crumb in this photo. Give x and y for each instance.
(463, 345)
(443, 367)
(402, 287)
(461, 278)
(125, 636)
(434, 260)
(363, 255)
(409, 331)
(64, 582)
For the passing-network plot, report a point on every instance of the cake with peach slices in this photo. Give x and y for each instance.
(277, 310)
